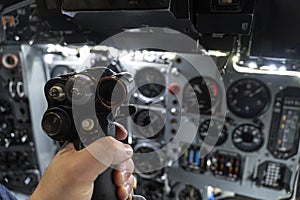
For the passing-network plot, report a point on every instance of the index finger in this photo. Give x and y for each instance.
(121, 132)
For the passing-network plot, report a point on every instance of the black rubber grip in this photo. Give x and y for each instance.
(104, 187)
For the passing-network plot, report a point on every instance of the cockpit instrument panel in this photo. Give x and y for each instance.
(285, 127)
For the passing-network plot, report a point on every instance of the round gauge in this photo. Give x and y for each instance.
(150, 82)
(153, 190)
(216, 126)
(60, 70)
(200, 95)
(248, 98)
(150, 124)
(247, 138)
(190, 193)
(145, 166)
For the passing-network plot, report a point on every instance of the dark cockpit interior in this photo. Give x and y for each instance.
(211, 88)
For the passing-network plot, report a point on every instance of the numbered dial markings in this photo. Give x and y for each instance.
(201, 94)
(150, 82)
(248, 98)
(247, 138)
(150, 124)
(217, 130)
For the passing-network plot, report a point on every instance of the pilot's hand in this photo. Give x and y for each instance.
(71, 174)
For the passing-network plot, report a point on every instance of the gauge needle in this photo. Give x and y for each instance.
(256, 92)
(197, 89)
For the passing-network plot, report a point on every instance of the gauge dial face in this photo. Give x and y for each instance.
(248, 98)
(150, 82)
(200, 95)
(190, 193)
(247, 138)
(153, 190)
(145, 167)
(150, 124)
(217, 128)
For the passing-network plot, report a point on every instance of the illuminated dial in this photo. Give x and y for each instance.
(247, 138)
(216, 127)
(150, 124)
(200, 95)
(150, 82)
(248, 98)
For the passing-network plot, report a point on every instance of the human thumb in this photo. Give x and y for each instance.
(67, 147)
(105, 152)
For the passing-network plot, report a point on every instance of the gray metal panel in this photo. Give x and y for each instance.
(35, 79)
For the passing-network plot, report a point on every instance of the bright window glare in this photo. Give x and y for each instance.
(48, 58)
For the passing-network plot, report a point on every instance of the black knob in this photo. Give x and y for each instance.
(56, 123)
(111, 92)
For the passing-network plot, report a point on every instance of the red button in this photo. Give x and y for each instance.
(174, 88)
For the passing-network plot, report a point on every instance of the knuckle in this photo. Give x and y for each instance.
(131, 165)
(111, 141)
(127, 166)
(131, 180)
